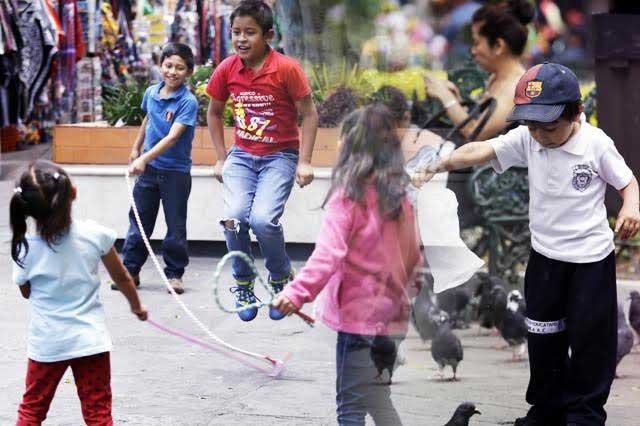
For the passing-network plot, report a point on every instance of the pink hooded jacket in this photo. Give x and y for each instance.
(366, 264)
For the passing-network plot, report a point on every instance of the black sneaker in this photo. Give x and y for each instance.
(136, 281)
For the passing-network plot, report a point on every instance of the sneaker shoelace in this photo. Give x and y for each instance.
(244, 294)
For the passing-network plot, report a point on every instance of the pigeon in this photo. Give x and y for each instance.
(625, 336)
(383, 354)
(446, 348)
(510, 320)
(515, 302)
(482, 300)
(423, 312)
(634, 311)
(462, 414)
(454, 302)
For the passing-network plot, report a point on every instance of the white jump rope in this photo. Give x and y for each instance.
(276, 364)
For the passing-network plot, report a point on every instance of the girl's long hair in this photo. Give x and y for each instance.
(45, 193)
(371, 153)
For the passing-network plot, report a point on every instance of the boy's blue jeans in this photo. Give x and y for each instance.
(255, 192)
(357, 390)
(173, 189)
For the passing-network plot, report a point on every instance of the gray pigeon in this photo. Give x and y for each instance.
(482, 300)
(625, 336)
(384, 353)
(423, 312)
(510, 320)
(454, 302)
(634, 311)
(462, 414)
(446, 348)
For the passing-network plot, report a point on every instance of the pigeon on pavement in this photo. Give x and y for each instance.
(462, 414)
(625, 336)
(446, 348)
(384, 352)
(511, 324)
(634, 311)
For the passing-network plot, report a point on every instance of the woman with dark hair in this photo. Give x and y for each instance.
(499, 33)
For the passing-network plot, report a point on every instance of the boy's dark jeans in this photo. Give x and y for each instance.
(574, 384)
(357, 390)
(173, 189)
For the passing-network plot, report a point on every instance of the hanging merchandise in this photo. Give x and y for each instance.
(71, 50)
(10, 45)
(39, 48)
(88, 90)
(185, 24)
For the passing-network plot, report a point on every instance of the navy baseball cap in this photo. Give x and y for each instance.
(543, 91)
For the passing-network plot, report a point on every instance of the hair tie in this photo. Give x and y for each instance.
(17, 190)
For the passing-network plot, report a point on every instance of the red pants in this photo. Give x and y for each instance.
(92, 375)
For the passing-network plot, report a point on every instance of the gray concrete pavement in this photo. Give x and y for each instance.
(158, 379)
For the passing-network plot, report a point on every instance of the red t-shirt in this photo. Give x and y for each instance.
(264, 102)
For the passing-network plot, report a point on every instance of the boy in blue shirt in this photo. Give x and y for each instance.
(164, 166)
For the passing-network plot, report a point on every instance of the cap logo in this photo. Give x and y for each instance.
(533, 89)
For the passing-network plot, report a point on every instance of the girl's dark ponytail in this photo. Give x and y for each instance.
(18, 220)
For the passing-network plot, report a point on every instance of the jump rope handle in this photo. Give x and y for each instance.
(306, 318)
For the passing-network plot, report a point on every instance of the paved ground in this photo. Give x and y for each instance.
(158, 379)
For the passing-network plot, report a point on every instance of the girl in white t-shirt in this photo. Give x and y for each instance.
(57, 270)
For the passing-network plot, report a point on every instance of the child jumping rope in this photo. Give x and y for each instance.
(57, 271)
(164, 166)
(570, 282)
(365, 256)
(268, 91)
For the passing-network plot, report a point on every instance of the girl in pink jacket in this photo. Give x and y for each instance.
(364, 259)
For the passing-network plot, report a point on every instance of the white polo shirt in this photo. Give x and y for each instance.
(567, 215)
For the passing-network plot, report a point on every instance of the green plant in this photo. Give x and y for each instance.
(325, 80)
(201, 75)
(121, 103)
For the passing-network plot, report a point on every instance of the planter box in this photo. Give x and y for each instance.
(96, 156)
(98, 143)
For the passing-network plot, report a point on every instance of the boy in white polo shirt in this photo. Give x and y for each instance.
(570, 282)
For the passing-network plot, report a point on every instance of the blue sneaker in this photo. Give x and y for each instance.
(243, 291)
(277, 287)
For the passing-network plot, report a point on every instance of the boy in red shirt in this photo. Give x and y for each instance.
(268, 91)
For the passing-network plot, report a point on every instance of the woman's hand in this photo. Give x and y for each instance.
(284, 305)
(444, 90)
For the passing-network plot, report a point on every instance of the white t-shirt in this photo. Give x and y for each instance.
(567, 215)
(67, 317)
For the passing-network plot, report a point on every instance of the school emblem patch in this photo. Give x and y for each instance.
(533, 89)
(582, 176)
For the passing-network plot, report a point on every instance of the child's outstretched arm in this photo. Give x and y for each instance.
(216, 130)
(470, 154)
(137, 144)
(138, 165)
(628, 221)
(331, 248)
(306, 107)
(125, 284)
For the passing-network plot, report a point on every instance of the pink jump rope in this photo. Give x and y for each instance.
(220, 346)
